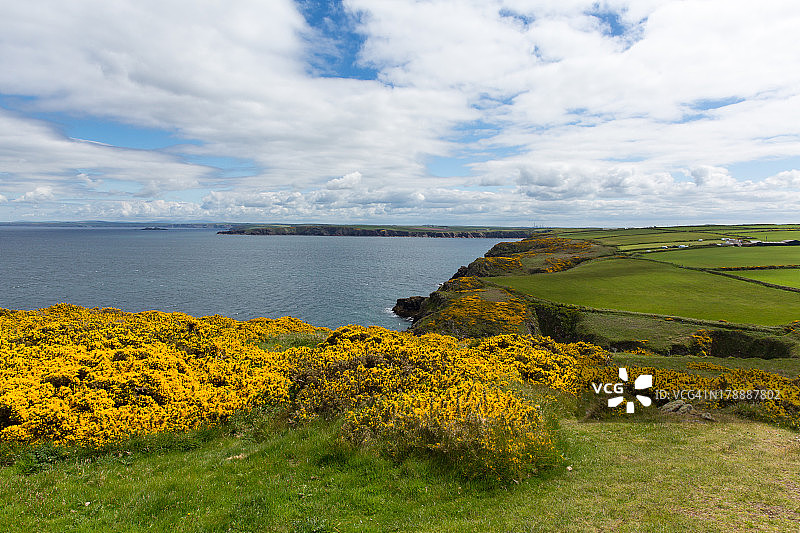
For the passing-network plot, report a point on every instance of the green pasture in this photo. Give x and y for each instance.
(624, 236)
(650, 287)
(788, 277)
(678, 237)
(733, 228)
(731, 256)
(605, 328)
(655, 246)
(771, 235)
(609, 233)
(788, 367)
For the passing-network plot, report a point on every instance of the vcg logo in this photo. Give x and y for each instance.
(645, 381)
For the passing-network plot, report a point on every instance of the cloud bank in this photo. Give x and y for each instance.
(555, 113)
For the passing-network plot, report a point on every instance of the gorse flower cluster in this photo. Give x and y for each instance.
(82, 376)
(539, 245)
(86, 376)
(495, 266)
(557, 264)
(73, 375)
(701, 342)
(481, 428)
(471, 315)
(436, 394)
(778, 397)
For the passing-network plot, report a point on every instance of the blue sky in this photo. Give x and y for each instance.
(439, 111)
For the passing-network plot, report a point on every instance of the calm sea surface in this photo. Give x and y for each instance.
(326, 281)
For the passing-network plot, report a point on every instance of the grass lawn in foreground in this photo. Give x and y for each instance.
(649, 287)
(628, 477)
(731, 256)
(788, 277)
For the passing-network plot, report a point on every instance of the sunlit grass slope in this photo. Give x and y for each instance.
(731, 256)
(788, 277)
(649, 287)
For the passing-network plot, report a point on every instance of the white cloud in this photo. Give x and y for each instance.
(787, 180)
(42, 193)
(348, 181)
(712, 177)
(576, 124)
(31, 151)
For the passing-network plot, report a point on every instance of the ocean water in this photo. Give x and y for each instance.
(326, 281)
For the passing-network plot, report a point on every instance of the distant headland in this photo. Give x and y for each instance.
(382, 231)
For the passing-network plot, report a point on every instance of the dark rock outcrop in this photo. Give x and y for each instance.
(409, 307)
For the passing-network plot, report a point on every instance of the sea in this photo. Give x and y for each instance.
(325, 281)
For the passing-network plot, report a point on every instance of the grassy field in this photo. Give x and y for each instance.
(788, 277)
(771, 235)
(646, 476)
(731, 256)
(660, 334)
(657, 239)
(785, 367)
(648, 287)
(656, 246)
(598, 234)
(627, 236)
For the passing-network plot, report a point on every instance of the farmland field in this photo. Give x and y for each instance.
(661, 238)
(649, 287)
(771, 236)
(731, 256)
(627, 236)
(655, 246)
(789, 367)
(788, 277)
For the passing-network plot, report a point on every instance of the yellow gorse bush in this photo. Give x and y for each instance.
(470, 313)
(90, 376)
(73, 375)
(701, 342)
(482, 428)
(81, 376)
(780, 404)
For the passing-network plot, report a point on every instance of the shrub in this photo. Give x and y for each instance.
(479, 429)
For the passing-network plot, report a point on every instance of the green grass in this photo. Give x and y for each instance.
(606, 327)
(789, 367)
(771, 235)
(627, 236)
(788, 277)
(658, 239)
(731, 256)
(292, 340)
(624, 477)
(655, 246)
(603, 234)
(649, 287)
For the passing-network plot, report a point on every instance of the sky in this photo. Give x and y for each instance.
(476, 112)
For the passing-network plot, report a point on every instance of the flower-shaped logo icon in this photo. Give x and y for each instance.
(645, 381)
